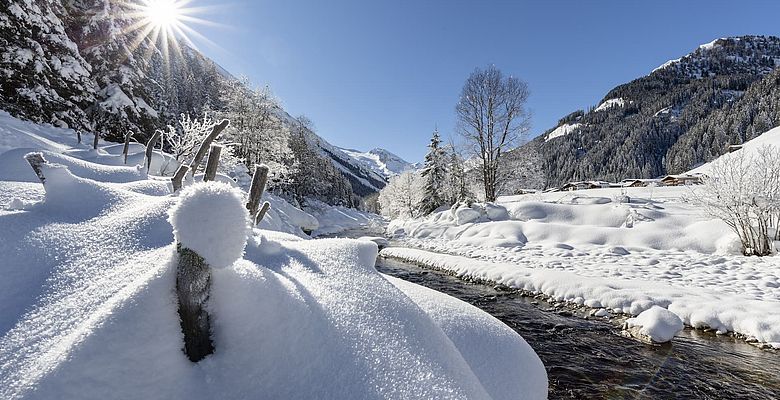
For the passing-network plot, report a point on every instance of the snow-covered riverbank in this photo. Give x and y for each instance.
(596, 248)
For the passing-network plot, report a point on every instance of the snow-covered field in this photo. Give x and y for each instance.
(602, 249)
(88, 307)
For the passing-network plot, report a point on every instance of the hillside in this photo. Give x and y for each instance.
(381, 161)
(81, 65)
(648, 127)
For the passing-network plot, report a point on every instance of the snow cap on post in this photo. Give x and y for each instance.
(211, 220)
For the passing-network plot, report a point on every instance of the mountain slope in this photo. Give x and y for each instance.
(78, 64)
(380, 161)
(635, 127)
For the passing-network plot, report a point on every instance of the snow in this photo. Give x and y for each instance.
(666, 64)
(88, 311)
(211, 220)
(768, 138)
(336, 219)
(491, 348)
(562, 130)
(657, 248)
(657, 323)
(619, 102)
(380, 161)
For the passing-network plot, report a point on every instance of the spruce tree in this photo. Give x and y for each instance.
(434, 173)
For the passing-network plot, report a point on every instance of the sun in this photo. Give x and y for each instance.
(165, 23)
(163, 14)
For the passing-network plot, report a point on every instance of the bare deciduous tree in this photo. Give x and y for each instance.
(743, 190)
(492, 118)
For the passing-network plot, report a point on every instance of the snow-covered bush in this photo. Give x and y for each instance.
(402, 196)
(743, 190)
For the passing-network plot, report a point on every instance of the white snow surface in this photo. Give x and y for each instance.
(562, 130)
(380, 161)
(210, 219)
(768, 138)
(337, 219)
(619, 102)
(657, 323)
(593, 247)
(88, 308)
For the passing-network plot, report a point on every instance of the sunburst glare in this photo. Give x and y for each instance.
(165, 23)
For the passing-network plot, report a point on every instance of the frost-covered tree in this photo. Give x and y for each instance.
(402, 196)
(492, 118)
(44, 77)
(457, 189)
(434, 173)
(743, 190)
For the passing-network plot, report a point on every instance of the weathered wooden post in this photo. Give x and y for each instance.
(193, 285)
(261, 213)
(213, 163)
(178, 177)
(150, 148)
(95, 142)
(126, 148)
(215, 131)
(36, 161)
(210, 226)
(78, 136)
(259, 180)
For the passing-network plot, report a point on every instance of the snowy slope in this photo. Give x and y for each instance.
(380, 161)
(768, 138)
(87, 309)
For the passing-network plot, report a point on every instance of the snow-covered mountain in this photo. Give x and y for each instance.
(380, 161)
(682, 114)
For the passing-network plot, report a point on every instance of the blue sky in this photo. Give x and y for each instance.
(377, 73)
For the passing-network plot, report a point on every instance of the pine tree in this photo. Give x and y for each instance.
(434, 173)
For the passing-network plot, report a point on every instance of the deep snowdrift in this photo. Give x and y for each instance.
(88, 308)
(624, 249)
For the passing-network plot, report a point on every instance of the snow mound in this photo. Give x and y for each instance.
(465, 215)
(211, 220)
(491, 348)
(656, 323)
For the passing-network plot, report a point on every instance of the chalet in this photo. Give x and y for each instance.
(733, 147)
(680, 180)
(640, 182)
(585, 185)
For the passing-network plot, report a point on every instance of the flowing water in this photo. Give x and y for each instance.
(589, 359)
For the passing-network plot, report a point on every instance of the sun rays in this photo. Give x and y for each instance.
(165, 24)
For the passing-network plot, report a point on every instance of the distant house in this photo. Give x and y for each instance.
(680, 180)
(636, 182)
(526, 191)
(582, 185)
(733, 147)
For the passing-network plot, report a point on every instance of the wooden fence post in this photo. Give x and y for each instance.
(176, 181)
(95, 142)
(215, 131)
(36, 160)
(126, 148)
(212, 163)
(261, 213)
(193, 285)
(150, 148)
(259, 180)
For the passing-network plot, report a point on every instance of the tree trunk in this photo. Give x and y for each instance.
(95, 142)
(193, 285)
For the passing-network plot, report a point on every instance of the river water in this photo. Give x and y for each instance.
(589, 359)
